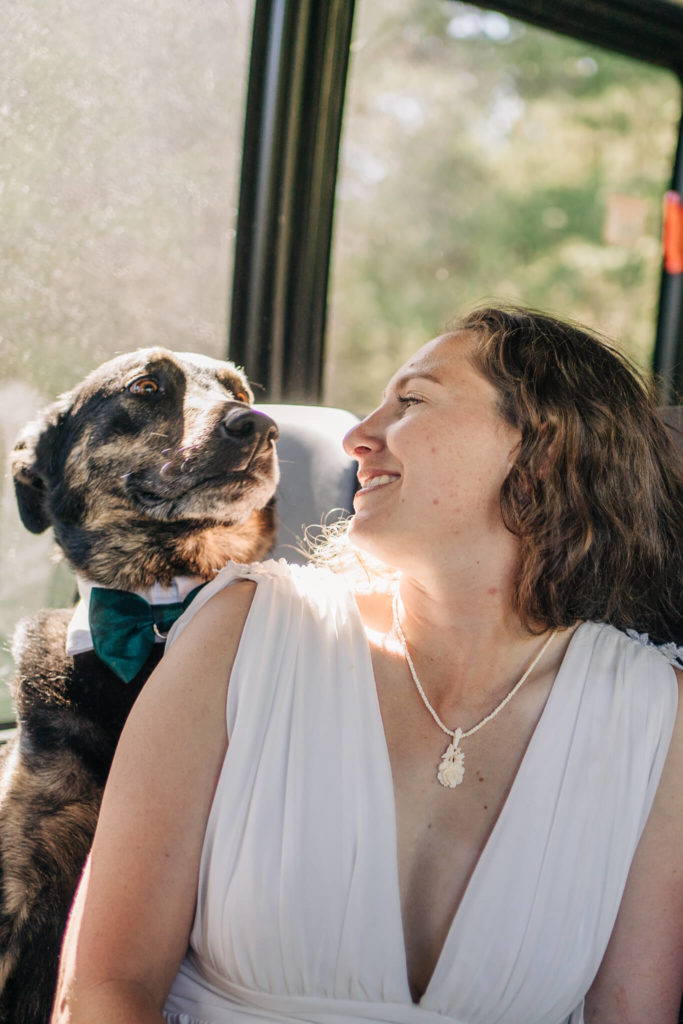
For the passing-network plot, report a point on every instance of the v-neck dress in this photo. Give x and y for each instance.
(298, 913)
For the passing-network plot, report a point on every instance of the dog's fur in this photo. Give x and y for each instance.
(153, 467)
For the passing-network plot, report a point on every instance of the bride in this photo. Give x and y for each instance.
(453, 792)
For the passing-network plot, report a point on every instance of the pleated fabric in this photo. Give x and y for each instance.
(298, 913)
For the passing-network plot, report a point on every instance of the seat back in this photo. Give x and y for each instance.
(317, 480)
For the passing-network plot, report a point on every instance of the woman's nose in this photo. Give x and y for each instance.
(363, 437)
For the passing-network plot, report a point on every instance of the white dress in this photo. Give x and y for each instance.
(298, 915)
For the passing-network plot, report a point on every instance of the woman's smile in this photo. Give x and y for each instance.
(372, 481)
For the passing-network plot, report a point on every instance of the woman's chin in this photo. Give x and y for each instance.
(367, 539)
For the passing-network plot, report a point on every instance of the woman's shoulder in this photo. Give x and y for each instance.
(632, 680)
(234, 586)
(670, 651)
(273, 569)
(630, 646)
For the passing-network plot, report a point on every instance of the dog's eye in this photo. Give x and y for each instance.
(241, 396)
(144, 386)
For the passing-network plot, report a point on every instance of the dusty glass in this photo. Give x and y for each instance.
(120, 141)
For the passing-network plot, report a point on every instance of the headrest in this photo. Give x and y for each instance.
(317, 480)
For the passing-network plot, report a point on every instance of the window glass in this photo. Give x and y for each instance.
(487, 160)
(121, 131)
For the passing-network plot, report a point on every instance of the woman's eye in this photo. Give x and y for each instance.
(406, 400)
(144, 386)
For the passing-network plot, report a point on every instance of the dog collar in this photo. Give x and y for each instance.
(79, 637)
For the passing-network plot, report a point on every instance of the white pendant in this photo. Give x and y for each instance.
(452, 767)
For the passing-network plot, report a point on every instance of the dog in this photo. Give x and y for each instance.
(153, 472)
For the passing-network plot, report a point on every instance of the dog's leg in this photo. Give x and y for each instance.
(45, 835)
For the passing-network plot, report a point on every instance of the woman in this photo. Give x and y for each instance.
(455, 797)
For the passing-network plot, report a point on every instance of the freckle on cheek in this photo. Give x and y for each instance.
(435, 501)
(492, 590)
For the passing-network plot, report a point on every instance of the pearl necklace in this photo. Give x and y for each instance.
(451, 769)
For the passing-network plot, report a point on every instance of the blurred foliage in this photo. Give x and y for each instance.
(482, 160)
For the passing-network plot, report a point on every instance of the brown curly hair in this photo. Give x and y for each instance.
(596, 493)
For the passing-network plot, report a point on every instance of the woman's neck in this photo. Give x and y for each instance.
(467, 641)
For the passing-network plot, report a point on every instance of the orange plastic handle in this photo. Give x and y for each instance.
(672, 235)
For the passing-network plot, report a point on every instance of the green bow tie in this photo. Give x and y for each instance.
(124, 627)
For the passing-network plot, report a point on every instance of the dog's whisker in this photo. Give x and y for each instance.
(193, 447)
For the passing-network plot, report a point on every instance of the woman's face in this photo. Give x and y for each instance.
(432, 459)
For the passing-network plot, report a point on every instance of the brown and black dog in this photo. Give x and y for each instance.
(153, 472)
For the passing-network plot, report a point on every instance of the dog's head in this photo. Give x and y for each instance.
(155, 465)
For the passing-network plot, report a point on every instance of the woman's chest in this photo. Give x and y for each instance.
(441, 832)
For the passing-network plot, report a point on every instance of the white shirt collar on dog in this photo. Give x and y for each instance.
(78, 638)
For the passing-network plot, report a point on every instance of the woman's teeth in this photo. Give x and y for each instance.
(378, 481)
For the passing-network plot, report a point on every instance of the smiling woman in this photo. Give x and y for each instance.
(491, 389)
(326, 858)
(437, 491)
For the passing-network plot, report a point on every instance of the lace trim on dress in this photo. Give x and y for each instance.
(671, 651)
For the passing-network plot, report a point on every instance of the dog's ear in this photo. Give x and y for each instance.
(29, 463)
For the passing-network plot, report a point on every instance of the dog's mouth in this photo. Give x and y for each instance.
(155, 498)
(227, 497)
(223, 475)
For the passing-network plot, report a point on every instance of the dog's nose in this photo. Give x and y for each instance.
(247, 427)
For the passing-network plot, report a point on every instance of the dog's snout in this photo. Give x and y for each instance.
(247, 426)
